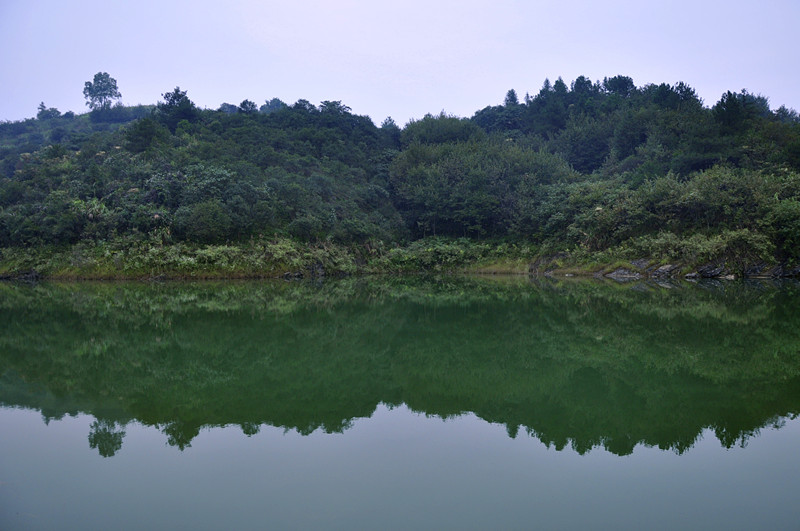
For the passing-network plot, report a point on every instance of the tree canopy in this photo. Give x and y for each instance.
(101, 92)
(592, 165)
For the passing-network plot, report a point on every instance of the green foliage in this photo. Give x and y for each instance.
(205, 222)
(734, 110)
(782, 222)
(175, 108)
(435, 254)
(144, 134)
(587, 167)
(271, 106)
(511, 98)
(584, 143)
(391, 133)
(47, 114)
(440, 129)
(468, 188)
(101, 91)
(621, 86)
(737, 249)
(248, 107)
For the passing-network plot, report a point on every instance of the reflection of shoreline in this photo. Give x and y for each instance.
(107, 436)
(550, 423)
(581, 365)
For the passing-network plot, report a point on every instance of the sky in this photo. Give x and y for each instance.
(401, 58)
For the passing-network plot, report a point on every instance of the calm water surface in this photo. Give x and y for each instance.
(400, 403)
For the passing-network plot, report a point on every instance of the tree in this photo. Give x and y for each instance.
(440, 129)
(582, 87)
(733, 110)
(559, 87)
(511, 98)
(334, 107)
(228, 108)
(304, 105)
(390, 131)
(547, 88)
(176, 107)
(787, 115)
(143, 134)
(175, 99)
(248, 107)
(206, 222)
(689, 100)
(47, 114)
(101, 92)
(620, 85)
(271, 106)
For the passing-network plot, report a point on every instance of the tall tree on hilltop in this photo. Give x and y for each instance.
(176, 107)
(248, 107)
(101, 91)
(620, 85)
(511, 98)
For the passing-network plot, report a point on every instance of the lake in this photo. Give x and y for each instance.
(398, 403)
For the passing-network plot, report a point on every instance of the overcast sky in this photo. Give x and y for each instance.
(402, 58)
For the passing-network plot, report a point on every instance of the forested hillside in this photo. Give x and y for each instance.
(594, 169)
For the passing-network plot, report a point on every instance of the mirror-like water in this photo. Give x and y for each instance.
(399, 403)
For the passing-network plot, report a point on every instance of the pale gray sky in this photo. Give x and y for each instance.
(401, 58)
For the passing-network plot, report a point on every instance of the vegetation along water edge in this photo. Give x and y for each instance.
(592, 178)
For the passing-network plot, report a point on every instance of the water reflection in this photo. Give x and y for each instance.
(106, 436)
(579, 364)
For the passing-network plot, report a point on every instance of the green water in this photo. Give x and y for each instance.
(399, 403)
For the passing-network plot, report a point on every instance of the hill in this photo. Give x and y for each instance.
(595, 171)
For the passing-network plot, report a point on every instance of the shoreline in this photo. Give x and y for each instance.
(187, 263)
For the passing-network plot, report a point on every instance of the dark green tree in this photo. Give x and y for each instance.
(100, 92)
(620, 85)
(391, 132)
(733, 110)
(176, 107)
(206, 222)
(271, 106)
(334, 107)
(47, 114)
(689, 100)
(787, 115)
(511, 98)
(248, 107)
(439, 129)
(143, 134)
(228, 108)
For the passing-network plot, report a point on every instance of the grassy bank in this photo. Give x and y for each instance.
(730, 254)
(273, 258)
(142, 260)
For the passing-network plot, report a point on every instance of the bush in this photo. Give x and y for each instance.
(206, 222)
(738, 248)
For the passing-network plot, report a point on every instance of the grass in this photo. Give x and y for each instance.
(277, 257)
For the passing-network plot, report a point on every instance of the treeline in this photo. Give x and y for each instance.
(590, 167)
(310, 172)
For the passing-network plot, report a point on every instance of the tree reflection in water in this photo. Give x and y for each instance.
(580, 364)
